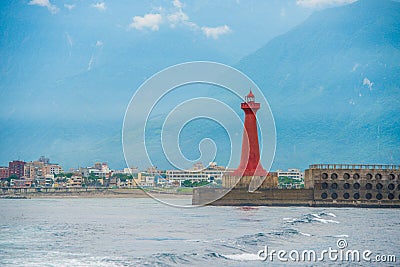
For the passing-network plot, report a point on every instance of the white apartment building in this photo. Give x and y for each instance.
(197, 173)
(294, 174)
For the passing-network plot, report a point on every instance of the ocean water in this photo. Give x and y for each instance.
(144, 232)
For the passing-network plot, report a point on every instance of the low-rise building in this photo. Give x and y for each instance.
(197, 173)
(4, 172)
(75, 181)
(53, 169)
(21, 183)
(290, 179)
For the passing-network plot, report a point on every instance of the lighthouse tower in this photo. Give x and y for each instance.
(250, 166)
(250, 158)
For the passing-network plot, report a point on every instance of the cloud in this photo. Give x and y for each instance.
(178, 17)
(90, 63)
(45, 3)
(322, 3)
(368, 83)
(283, 12)
(216, 31)
(95, 55)
(69, 6)
(177, 3)
(151, 21)
(100, 6)
(355, 67)
(69, 39)
(175, 16)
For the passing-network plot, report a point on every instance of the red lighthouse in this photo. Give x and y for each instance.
(250, 158)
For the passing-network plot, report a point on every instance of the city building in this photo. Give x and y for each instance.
(197, 173)
(53, 169)
(35, 169)
(131, 170)
(146, 179)
(16, 168)
(44, 160)
(4, 172)
(75, 181)
(46, 181)
(292, 178)
(21, 183)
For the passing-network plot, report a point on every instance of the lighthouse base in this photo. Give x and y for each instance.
(243, 182)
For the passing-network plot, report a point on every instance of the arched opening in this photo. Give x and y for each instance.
(369, 176)
(356, 176)
(368, 195)
(356, 196)
(346, 186)
(379, 196)
(392, 176)
(378, 176)
(324, 185)
(379, 186)
(334, 176)
(390, 196)
(356, 186)
(324, 175)
(334, 186)
(334, 196)
(346, 176)
(391, 186)
(346, 195)
(324, 195)
(368, 186)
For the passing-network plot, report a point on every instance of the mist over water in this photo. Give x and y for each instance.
(144, 232)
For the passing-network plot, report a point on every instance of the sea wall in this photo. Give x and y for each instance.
(262, 197)
(278, 197)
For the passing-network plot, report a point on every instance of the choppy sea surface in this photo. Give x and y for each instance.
(144, 232)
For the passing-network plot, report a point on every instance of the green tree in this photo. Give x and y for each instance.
(12, 176)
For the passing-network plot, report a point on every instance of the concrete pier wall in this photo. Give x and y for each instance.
(280, 197)
(241, 197)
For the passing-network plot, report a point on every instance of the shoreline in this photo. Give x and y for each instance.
(96, 193)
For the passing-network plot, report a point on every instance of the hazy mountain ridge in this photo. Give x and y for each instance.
(332, 83)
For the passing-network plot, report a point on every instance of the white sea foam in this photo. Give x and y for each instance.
(325, 221)
(330, 214)
(305, 234)
(341, 236)
(315, 215)
(242, 257)
(290, 220)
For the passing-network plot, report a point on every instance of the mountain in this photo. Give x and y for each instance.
(333, 86)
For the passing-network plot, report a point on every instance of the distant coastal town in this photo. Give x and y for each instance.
(42, 173)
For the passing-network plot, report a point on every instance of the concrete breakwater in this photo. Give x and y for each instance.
(278, 197)
(326, 185)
